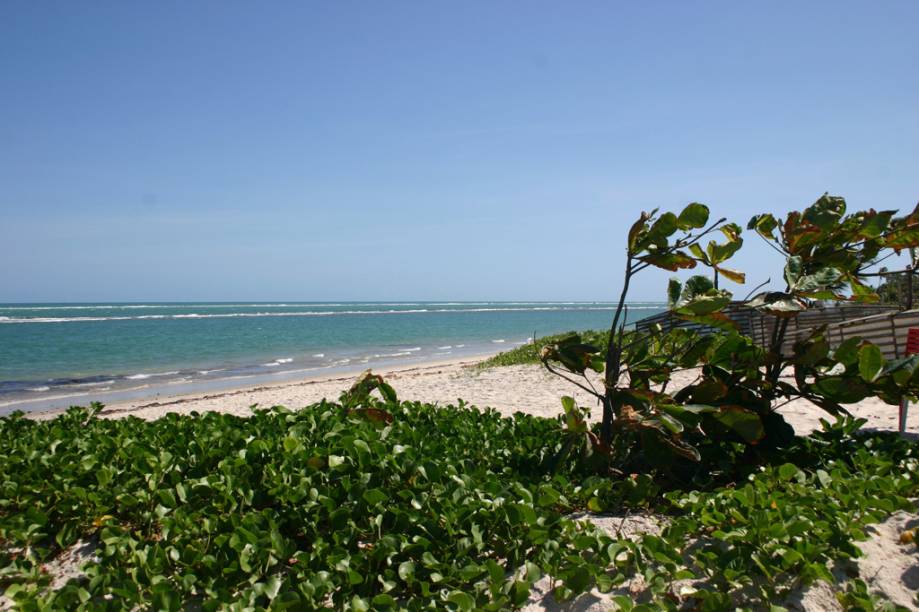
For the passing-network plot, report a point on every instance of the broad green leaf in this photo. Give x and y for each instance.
(407, 571)
(703, 304)
(764, 225)
(674, 288)
(663, 227)
(375, 496)
(745, 423)
(870, 362)
(694, 216)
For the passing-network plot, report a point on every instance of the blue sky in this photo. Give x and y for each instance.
(473, 150)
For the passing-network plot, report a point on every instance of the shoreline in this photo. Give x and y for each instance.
(529, 389)
(344, 378)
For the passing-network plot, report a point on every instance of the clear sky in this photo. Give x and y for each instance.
(426, 150)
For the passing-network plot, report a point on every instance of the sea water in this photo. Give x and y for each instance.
(56, 355)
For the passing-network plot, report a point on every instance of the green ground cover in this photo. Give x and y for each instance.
(529, 353)
(407, 505)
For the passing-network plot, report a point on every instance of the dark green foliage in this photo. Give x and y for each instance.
(323, 506)
(445, 507)
(827, 253)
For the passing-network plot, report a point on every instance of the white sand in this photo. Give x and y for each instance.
(528, 388)
(890, 569)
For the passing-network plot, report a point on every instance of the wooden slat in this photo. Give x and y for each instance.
(888, 331)
(760, 327)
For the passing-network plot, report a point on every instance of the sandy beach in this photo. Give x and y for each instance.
(523, 388)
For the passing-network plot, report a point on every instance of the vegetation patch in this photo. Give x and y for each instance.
(529, 353)
(404, 505)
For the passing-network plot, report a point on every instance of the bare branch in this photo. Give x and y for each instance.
(775, 248)
(572, 381)
(759, 286)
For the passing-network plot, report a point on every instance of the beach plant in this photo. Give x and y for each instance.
(827, 254)
(445, 507)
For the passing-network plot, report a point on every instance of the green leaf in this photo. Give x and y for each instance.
(870, 362)
(703, 304)
(876, 223)
(463, 601)
(764, 225)
(674, 288)
(407, 571)
(663, 228)
(812, 283)
(375, 496)
(787, 471)
(697, 251)
(745, 423)
(291, 444)
(842, 389)
(359, 605)
(694, 216)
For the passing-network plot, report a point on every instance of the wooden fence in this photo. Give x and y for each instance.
(888, 331)
(885, 325)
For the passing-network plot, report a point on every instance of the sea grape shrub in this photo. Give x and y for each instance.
(741, 385)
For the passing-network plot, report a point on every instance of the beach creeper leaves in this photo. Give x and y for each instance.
(359, 395)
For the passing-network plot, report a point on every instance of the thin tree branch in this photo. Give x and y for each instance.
(763, 284)
(775, 248)
(572, 381)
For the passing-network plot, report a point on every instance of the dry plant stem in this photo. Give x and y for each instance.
(614, 359)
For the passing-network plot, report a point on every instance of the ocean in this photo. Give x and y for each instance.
(57, 355)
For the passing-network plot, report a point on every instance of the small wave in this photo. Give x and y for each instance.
(277, 362)
(319, 355)
(310, 313)
(444, 348)
(38, 389)
(499, 341)
(92, 384)
(149, 375)
(206, 372)
(460, 345)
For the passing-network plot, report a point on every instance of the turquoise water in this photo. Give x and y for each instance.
(55, 354)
